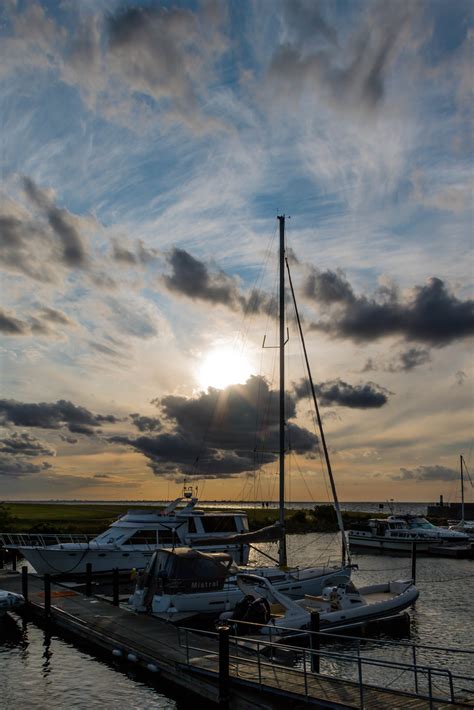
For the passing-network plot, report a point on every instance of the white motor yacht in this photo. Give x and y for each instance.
(397, 533)
(131, 540)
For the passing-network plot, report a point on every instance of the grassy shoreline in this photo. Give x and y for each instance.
(93, 519)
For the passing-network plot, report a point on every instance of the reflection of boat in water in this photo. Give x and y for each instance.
(184, 582)
(131, 540)
(397, 533)
(340, 606)
(9, 601)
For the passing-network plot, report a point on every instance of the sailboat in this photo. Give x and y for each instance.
(464, 526)
(157, 588)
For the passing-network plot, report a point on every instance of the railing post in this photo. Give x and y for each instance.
(2, 557)
(415, 669)
(88, 579)
(224, 666)
(451, 686)
(430, 688)
(361, 687)
(413, 561)
(47, 596)
(115, 586)
(24, 583)
(315, 641)
(306, 673)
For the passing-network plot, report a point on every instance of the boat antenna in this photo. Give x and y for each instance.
(345, 549)
(282, 557)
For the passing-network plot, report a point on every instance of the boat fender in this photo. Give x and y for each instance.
(132, 658)
(151, 667)
(117, 653)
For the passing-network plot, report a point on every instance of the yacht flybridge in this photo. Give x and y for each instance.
(131, 540)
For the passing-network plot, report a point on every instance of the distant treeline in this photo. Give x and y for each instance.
(93, 519)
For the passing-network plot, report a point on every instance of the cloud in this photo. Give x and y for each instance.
(192, 278)
(140, 256)
(146, 423)
(214, 434)
(350, 75)
(9, 325)
(340, 393)
(23, 444)
(14, 467)
(409, 359)
(427, 473)
(40, 324)
(432, 315)
(460, 377)
(54, 415)
(65, 226)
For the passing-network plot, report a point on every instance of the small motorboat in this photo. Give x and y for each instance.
(9, 601)
(340, 606)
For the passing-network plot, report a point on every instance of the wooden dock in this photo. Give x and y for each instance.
(191, 660)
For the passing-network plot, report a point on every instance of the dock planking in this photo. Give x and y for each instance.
(157, 643)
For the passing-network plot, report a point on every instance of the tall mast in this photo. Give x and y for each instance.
(462, 489)
(282, 551)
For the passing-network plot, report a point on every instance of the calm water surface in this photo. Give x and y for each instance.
(46, 672)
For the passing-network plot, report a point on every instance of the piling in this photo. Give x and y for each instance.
(224, 632)
(413, 561)
(315, 641)
(47, 595)
(115, 586)
(88, 579)
(24, 582)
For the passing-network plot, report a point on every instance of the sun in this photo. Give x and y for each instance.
(222, 367)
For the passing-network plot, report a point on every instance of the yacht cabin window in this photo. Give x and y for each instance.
(142, 537)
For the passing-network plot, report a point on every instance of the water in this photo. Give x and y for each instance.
(49, 673)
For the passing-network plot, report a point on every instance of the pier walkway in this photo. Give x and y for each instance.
(190, 658)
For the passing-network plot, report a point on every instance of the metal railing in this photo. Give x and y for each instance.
(14, 540)
(432, 683)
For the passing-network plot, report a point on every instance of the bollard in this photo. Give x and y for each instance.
(224, 666)
(47, 596)
(115, 586)
(24, 583)
(413, 561)
(88, 579)
(315, 641)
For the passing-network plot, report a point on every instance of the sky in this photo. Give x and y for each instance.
(146, 152)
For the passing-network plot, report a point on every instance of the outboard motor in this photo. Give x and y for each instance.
(251, 610)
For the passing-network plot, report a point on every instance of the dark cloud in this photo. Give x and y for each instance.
(349, 76)
(460, 378)
(409, 359)
(340, 393)
(64, 225)
(433, 315)
(427, 473)
(9, 325)
(15, 467)
(23, 444)
(35, 325)
(214, 434)
(54, 415)
(192, 278)
(146, 423)
(18, 238)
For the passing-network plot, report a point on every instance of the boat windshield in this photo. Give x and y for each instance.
(421, 523)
